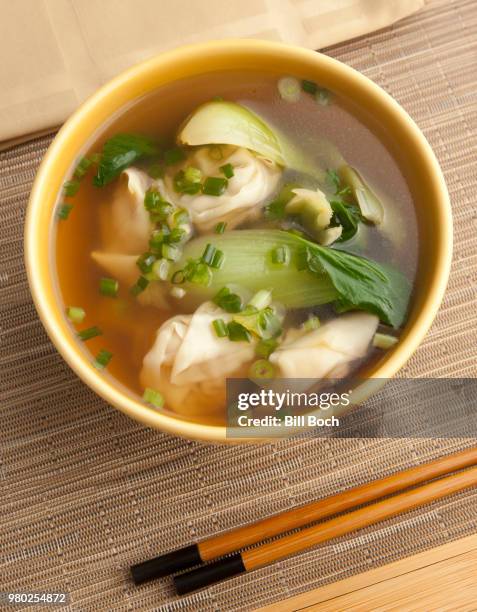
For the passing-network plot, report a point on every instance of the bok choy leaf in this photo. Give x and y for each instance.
(120, 152)
(316, 274)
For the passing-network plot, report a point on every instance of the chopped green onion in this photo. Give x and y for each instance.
(192, 174)
(311, 323)
(238, 333)
(220, 227)
(145, 262)
(384, 341)
(266, 347)
(140, 285)
(263, 323)
(289, 89)
(178, 277)
(82, 167)
(309, 86)
(64, 211)
(261, 299)
(220, 328)
(174, 156)
(159, 236)
(183, 185)
(177, 235)
(280, 255)
(95, 158)
(160, 269)
(261, 369)
(156, 171)
(227, 170)
(71, 188)
(228, 301)
(75, 314)
(217, 260)
(90, 332)
(199, 274)
(152, 198)
(178, 292)
(171, 252)
(180, 217)
(102, 359)
(108, 287)
(214, 185)
(161, 213)
(153, 397)
(208, 254)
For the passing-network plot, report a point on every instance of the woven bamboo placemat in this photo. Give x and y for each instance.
(86, 491)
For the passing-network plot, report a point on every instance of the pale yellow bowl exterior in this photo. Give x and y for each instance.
(423, 173)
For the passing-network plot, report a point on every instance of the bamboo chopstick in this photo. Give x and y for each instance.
(294, 543)
(223, 544)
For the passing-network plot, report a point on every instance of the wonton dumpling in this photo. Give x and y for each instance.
(327, 351)
(255, 179)
(125, 223)
(188, 363)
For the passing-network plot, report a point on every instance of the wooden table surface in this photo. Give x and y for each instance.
(443, 579)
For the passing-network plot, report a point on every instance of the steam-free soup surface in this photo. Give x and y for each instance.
(326, 134)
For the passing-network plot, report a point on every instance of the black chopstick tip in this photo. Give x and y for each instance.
(167, 564)
(209, 574)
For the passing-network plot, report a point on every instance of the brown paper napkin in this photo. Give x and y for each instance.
(55, 53)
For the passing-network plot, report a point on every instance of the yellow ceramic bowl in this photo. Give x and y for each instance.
(418, 165)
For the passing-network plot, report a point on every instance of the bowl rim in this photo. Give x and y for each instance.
(33, 230)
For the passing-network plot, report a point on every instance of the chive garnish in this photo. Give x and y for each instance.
(265, 348)
(220, 328)
(153, 397)
(261, 369)
(208, 254)
(160, 269)
(90, 332)
(108, 287)
(192, 174)
(217, 260)
(145, 262)
(75, 314)
(64, 211)
(82, 167)
(199, 273)
(141, 284)
(71, 188)
(171, 252)
(238, 333)
(173, 156)
(184, 185)
(177, 234)
(180, 217)
(309, 86)
(220, 227)
(102, 359)
(280, 255)
(311, 323)
(178, 277)
(227, 170)
(228, 301)
(152, 198)
(214, 185)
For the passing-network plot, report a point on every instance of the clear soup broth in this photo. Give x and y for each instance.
(364, 212)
